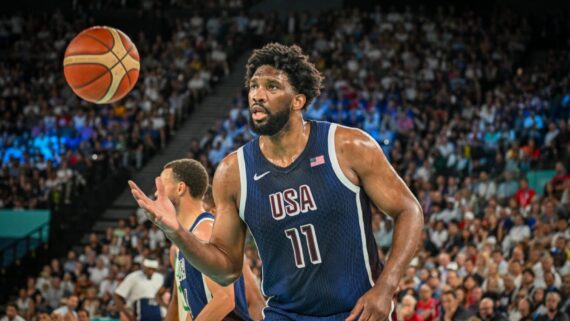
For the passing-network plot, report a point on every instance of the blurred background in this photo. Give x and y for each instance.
(469, 101)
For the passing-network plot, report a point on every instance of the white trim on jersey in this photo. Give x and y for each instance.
(363, 239)
(242, 201)
(207, 292)
(334, 161)
(356, 189)
(202, 220)
(243, 183)
(265, 307)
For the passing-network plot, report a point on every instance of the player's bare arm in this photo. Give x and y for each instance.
(221, 258)
(171, 312)
(122, 307)
(160, 294)
(364, 164)
(255, 300)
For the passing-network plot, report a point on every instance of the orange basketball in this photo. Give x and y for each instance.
(101, 65)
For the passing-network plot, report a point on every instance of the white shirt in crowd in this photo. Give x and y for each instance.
(63, 310)
(138, 286)
(108, 286)
(16, 318)
(439, 238)
(156, 238)
(97, 275)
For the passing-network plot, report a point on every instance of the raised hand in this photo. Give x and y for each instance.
(160, 211)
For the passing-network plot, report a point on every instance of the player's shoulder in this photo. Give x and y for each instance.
(350, 139)
(227, 173)
(229, 163)
(203, 229)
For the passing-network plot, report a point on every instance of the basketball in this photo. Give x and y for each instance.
(101, 65)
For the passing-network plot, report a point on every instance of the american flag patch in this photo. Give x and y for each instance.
(316, 161)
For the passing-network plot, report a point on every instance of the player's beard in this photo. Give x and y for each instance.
(273, 123)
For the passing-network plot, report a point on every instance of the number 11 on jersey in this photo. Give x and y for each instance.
(308, 231)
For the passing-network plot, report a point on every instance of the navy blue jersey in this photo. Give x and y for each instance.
(313, 229)
(193, 294)
(147, 310)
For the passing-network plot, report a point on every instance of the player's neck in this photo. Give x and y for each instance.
(283, 148)
(188, 210)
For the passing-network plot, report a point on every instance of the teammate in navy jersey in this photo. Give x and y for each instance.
(303, 189)
(194, 294)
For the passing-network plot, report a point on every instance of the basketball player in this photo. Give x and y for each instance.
(255, 301)
(195, 295)
(303, 189)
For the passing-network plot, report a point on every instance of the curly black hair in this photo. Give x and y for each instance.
(302, 74)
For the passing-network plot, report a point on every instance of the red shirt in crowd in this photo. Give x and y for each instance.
(429, 305)
(524, 196)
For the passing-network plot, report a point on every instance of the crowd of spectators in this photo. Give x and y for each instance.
(463, 115)
(86, 281)
(52, 143)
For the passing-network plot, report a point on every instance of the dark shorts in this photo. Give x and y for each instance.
(234, 317)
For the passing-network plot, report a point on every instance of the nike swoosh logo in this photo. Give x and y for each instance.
(258, 177)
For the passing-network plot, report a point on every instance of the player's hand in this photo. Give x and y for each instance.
(374, 305)
(160, 211)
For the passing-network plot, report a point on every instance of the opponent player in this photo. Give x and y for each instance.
(302, 188)
(255, 301)
(185, 183)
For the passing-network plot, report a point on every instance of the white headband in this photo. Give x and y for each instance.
(153, 264)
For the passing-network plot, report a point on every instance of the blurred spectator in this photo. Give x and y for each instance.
(24, 304)
(452, 310)
(427, 307)
(553, 309)
(518, 233)
(55, 293)
(487, 311)
(522, 310)
(12, 313)
(82, 315)
(543, 268)
(559, 180)
(407, 310)
(110, 283)
(91, 303)
(98, 273)
(71, 303)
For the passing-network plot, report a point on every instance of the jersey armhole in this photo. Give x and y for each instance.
(243, 183)
(202, 221)
(334, 161)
